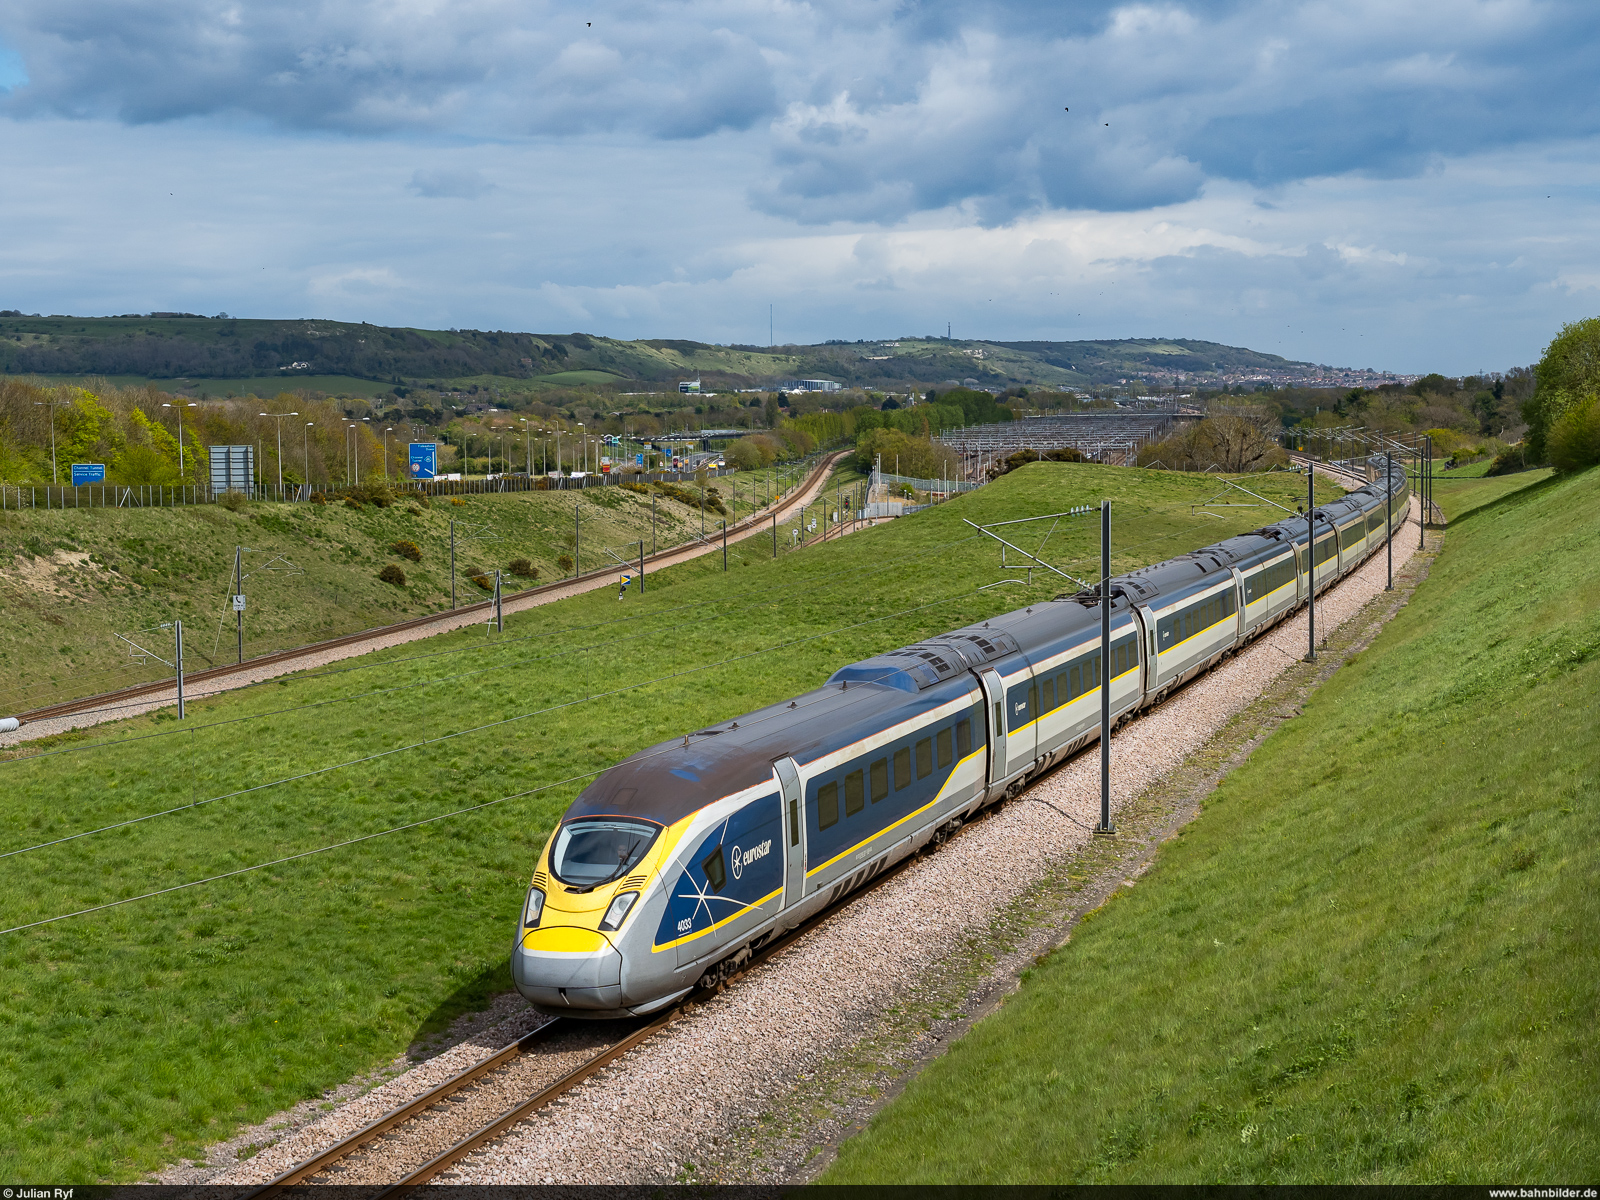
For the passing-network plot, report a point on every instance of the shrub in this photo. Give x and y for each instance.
(407, 549)
(635, 487)
(486, 582)
(393, 574)
(564, 561)
(232, 501)
(457, 501)
(318, 498)
(523, 568)
(1574, 439)
(1509, 461)
(352, 502)
(376, 492)
(413, 510)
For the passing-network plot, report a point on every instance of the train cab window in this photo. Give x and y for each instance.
(827, 805)
(963, 738)
(1049, 694)
(924, 758)
(902, 768)
(880, 779)
(946, 749)
(716, 873)
(854, 801)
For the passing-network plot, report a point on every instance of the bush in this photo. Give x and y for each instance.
(393, 574)
(413, 510)
(374, 493)
(318, 498)
(1509, 461)
(486, 582)
(564, 561)
(457, 501)
(1025, 456)
(524, 569)
(352, 502)
(232, 501)
(407, 549)
(1574, 440)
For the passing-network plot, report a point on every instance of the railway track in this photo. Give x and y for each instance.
(131, 695)
(424, 1138)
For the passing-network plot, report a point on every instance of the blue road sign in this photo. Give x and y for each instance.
(638, 460)
(424, 460)
(83, 473)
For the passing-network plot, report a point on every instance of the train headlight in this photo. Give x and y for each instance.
(533, 909)
(618, 912)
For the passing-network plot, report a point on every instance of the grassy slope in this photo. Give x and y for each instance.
(1371, 959)
(1459, 495)
(131, 1036)
(176, 563)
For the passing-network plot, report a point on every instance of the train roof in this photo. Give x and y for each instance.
(668, 781)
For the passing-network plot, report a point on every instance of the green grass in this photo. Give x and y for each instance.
(1458, 495)
(132, 1036)
(574, 378)
(154, 565)
(1372, 958)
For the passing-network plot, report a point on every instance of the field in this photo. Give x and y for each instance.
(70, 579)
(1371, 959)
(260, 385)
(136, 1033)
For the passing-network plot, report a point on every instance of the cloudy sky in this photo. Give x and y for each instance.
(1409, 186)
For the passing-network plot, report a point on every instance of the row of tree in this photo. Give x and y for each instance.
(146, 436)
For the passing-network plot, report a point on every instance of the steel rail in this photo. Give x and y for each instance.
(123, 696)
(412, 1109)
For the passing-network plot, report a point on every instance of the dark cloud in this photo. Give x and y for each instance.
(872, 110)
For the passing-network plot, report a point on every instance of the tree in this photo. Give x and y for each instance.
(1568, 374)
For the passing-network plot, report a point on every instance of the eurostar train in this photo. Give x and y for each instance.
(675, 865)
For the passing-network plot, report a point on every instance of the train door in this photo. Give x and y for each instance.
(1241, 625)
(994, 695)
(794, 831)
(1147, 619)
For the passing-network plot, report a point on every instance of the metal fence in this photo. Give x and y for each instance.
(51, 496)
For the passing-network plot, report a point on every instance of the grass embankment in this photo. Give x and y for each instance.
(132, 1036)
(71, 578)
(1458, 495)
(1371, 958)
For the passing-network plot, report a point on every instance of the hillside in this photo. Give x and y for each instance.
(1369, 960)
(274, 354)
(159, 1026)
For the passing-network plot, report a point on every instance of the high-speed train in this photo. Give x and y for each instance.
(677, 863)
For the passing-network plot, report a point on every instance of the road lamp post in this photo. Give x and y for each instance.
(178, 408)
(307, 438)
(279, 418)
(386, 434)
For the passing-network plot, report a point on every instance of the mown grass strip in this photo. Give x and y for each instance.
(1370, 959)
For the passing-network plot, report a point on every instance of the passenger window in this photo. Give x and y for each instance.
(828, 806)
(880, 779)
(902, 768)
(1063, 692)
(853, 799)
(1077, 683)
(1033, 702)
(1133, 653)
(1049, 694)
(963, 738)
(924, 758)
(716, 874)
(946, 748)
